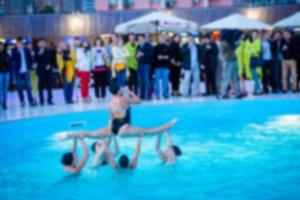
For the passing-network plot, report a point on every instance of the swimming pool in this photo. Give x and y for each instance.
(231, 150)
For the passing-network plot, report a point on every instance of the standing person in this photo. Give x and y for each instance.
(119, 63)
(44, 71)
(108, 43)
(255, 60)
(242, 62)
(132, 63)
(66, 59)
(190, 53)
(230, 68)
(144, 55)
(210, 61)
(277, 59)
(297, 52)
(289, 65)
(267, 62)
(4, 75)
(33, 74)
(83, 67)
(100, 68)
(175, 64)
(22, 63)
(162, 58)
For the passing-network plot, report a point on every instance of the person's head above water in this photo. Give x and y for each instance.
(176, 150)
(124, 161)
(67, 159)
(97, 147)
(114, 88)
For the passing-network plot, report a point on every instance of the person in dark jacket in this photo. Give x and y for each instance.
(190, 53)
(267, 62)
(162, 58)
(44, 71)
(230, 69)
(297, 50)
(4, 75)
(144, 55)
(288, 49)
(22, 62)
(175, 64)
(210, 61)
(276, 60)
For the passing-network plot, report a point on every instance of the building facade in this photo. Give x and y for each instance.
(106, 5)
(11, 7)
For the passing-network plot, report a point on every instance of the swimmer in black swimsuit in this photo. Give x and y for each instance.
(101, 157)
(119, 108)
(124, 162)
(69, 159)
(120, 118)
(171, 153)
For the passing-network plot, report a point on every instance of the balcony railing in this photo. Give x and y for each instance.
(264, 2)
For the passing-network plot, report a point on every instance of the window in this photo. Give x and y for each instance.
(128, 2)
(113, 2)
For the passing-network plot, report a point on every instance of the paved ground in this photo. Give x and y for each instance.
(15, 112)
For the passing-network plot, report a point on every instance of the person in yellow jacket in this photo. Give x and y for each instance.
(243, 61)
(66, 60)
(119, 61)
(255, 60)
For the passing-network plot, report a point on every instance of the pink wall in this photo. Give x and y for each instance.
(102, 5)
(184, 4)
(214, 3)
(141, 4)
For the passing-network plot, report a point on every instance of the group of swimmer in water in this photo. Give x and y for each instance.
(119, 126)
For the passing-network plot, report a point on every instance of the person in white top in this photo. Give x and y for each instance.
(119, 53)
(267, 61)
(83, 67)
(100, 69)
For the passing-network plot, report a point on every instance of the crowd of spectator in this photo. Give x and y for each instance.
(169, 66)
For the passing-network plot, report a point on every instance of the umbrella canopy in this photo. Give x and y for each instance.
(291, 21)
(157, 22)
(236, 21)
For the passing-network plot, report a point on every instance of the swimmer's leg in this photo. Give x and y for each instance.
(103, 132)
(128, 130)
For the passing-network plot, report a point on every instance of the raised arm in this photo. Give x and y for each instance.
(74, 146)
(135, 156)
(158, 148)
(168, 139)
(132, 98)
(97, 157)
(110, 157)
(116, 146)
(85, 155)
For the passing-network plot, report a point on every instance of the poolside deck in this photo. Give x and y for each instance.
(15, 112)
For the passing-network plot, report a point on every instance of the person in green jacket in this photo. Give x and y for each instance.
(243, 59)
(239, 52)
(132, 63)
(255, 61)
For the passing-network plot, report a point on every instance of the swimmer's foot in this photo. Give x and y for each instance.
(169, 125)
(172, 123)
(60, 136)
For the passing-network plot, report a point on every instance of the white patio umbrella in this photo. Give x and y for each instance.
(157, 22)
(236, 21)
(291, 21)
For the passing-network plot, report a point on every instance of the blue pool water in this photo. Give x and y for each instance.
(231, 150)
